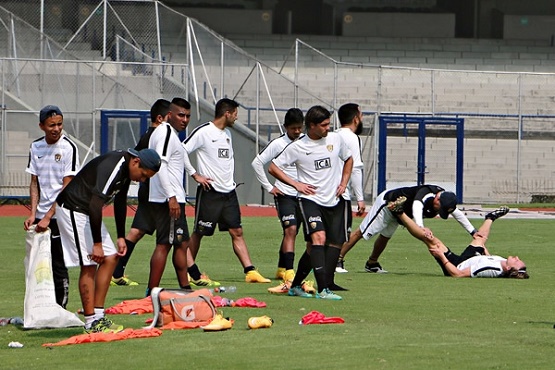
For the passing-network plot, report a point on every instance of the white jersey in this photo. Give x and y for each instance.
(319, 163)
(215, 159)
(483, 266)
(269, 152)
(51, 163)
(355, 182)
(168, 182)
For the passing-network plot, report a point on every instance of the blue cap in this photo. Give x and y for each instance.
(49, 111)
(149, 158)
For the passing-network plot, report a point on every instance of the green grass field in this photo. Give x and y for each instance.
(411, 318)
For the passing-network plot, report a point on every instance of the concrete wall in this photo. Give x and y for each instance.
(398, 24)
(528, 27)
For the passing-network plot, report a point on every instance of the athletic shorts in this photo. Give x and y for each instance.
(455, 259)
(349, 208)
(379, 220)
(77, 240)
(288, 210)
(169, 231)
(144, 219)
(332, 220)
(213, 208)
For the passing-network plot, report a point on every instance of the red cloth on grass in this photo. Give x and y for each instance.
(315, 317)
(133, 306)
(249, 302)
(107, 337)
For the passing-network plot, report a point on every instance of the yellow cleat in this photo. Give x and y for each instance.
(253, 276)
(280, 273)
(218, 323)
(260, 322)
(282, 288)
(308, 286)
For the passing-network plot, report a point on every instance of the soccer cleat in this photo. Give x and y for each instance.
(308, 286)
(203, 282)
(280, 273)
(374, 267)
(103, 325)
(297, 291)
(123, 281)
(500, 212)
(253, 276)
(218, 323)
(340, 268)
(396, 206)
(282, 288)
(328, 294)
(260, 322)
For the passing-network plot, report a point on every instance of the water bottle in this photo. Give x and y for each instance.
(16, 321)
(225, 289)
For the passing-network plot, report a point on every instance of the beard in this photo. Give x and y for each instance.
(358, 131)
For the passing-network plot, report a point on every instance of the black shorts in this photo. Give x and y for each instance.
(169, 231)
(349, 214)
(288, 211)
(332, 220)
(455, 259)
(213, 208)
(144, 219)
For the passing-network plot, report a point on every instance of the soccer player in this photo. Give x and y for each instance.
(350, 118)
(53, 161)
(423, 201)
(216, 197)
(324, 165)
(85, 238)
(285, 197)
(167, 197)
(144, 221)
(475, 261)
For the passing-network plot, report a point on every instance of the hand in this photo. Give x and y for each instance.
(436, 252)
(28, 222)
(122, 247)
(478, 234)
(306, 189)
(361, 208)
(175, 209)
(42, 226)
(97, 254)
(428, 234)
(340, 190)
(204, 181)
(275, 191)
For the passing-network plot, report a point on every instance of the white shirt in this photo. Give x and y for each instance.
(215, 157)
(319, 163)
(483, 266)
(168, 182)
(269, 152)
(355, 182)
(51, 163)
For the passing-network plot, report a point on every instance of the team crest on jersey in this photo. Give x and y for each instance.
(320, 164)
(329, 148)
(223, 153)
(58, 157)
(227, 140)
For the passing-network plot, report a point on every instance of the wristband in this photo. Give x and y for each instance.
(473, 232)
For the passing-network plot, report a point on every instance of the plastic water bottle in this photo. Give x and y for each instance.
(225, 289)
(16, 321)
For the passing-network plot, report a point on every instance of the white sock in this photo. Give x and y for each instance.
(89, 320)
(98, 313)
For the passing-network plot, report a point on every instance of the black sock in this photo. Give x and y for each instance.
(194, 272)
(303, 269)
(332, 255)
(119, 271)
(318, 259)
(281, 260)
(288, 260)
(249, 268)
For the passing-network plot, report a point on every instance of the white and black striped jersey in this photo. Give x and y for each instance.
(319, 163)
(355, 182)
(483, 266)
(168, 182)
(269, 152)
(214, 153)
(51, 163)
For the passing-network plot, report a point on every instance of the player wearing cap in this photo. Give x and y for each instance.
(475, 260)
(85, 239)
(53, 161)
(424, 201)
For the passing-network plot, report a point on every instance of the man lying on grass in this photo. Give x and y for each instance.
(475, 261)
